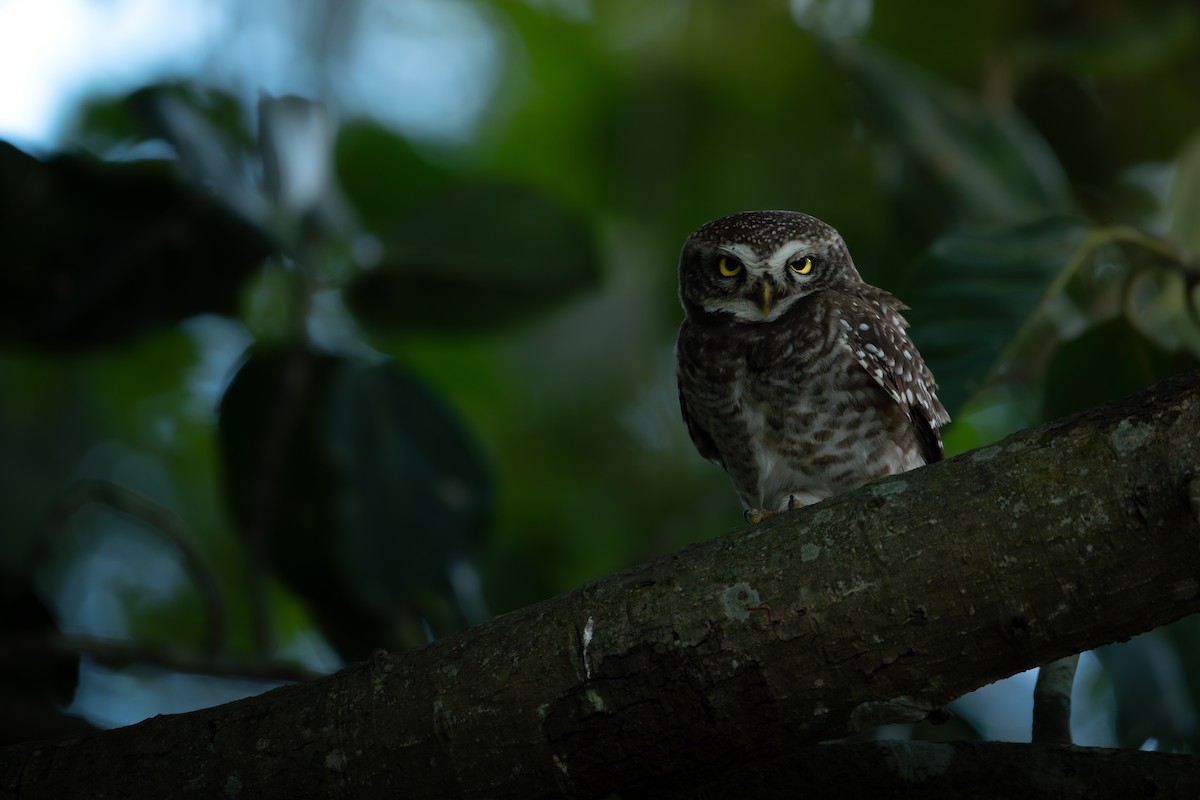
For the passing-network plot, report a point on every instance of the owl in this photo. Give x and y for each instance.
(795, 375)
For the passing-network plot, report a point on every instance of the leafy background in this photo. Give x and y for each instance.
(298, 360)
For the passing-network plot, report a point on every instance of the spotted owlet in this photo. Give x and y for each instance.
(796, 376)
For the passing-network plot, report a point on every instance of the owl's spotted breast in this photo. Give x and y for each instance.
(809, 402)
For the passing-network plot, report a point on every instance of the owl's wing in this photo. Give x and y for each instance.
(874, 331)
(700, 437)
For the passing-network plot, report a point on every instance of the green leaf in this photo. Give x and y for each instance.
(415, 489)
(101, 124)
(1108, 361)
(278, 482)
(366, 490)
(1161, 304)
(104, 122)
(380, 173)
(975, 291)
(990, 164)
(99, 253)
(1185, 199)
(474, 258)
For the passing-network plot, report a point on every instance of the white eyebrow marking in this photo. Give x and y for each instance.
(756, 265)
(786, 251)
(742, 252)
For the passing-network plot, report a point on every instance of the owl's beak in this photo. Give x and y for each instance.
(764, 298)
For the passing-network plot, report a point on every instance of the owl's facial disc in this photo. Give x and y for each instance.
(754, 266)
(763, 286)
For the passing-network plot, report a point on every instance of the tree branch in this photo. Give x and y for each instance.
(873, 607)
(1052, 700)
(949, 770)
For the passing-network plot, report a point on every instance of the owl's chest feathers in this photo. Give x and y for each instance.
(792, 412)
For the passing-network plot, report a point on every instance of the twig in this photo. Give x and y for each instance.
(119, 653)
(1052, 701)
(85, 492)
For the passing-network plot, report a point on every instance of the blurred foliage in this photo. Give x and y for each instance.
(432, 380)
(34, 678)
(99, 253)
(360, 489)
(471, 259)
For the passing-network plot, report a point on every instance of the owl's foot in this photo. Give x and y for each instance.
(757, 515)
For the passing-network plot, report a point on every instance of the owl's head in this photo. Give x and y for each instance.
(756, 264)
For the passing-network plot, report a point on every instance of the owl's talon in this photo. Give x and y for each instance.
(757, 515)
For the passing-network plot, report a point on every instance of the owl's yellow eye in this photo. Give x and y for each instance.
(802, 267)
(729, 267)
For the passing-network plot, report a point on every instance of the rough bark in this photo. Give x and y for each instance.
(876, 606)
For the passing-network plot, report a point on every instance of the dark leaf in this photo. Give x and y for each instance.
(1151, 692)
(1108, 361)
(208, 134)
(989, 163)
(416, 494)
(380, 174)
(975, 291)
(365, 488)
(1121, 47)
(278, 482)
(221, 112)
(1184, 636)
(475, 258)
(99, 253)
(29, 663)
